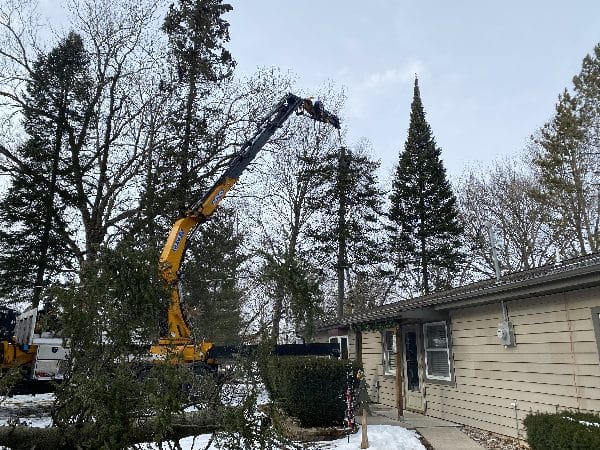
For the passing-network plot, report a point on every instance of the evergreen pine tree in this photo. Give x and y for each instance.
(346, 233)
(190, 158)
(424, 231)
(566, 157)
(213, 298)
(34, 250)
(197, 34)
(108, 318)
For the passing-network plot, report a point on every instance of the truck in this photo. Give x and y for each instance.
(40, 354)
(177, 343)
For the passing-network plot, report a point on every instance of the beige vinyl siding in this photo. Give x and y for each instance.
(554, 365)
(373, 367)
(387, 391)
(371, 356)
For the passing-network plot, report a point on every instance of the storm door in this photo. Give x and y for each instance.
(412, 368)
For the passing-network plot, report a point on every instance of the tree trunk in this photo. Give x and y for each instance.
(277, 313)
(48, 214)
(341, 256)
(23, 437)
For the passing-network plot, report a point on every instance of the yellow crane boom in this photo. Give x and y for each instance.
(178, 340)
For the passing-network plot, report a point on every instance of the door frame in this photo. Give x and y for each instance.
(413, 400)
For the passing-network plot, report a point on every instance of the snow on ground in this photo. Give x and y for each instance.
(29, 410)
(34, 411)
(381, 437)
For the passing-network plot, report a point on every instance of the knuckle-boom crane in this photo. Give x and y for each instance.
(178, 342)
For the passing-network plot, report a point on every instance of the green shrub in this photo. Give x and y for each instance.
(563, 431)
(308, 388)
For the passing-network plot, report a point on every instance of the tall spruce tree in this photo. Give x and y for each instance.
(197, 33)
(34, 248)
(566, 157)
(424, 231)
(350, 207)
(213, 298)
(193, 156)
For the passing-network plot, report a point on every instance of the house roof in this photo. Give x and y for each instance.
(565, 276)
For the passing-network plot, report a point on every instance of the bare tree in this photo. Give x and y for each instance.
(281, 200)
(108, 151)
(501, 195)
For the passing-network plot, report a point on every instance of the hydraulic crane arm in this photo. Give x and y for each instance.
(200, 211)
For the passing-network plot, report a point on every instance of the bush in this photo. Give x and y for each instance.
(563, 431)
(308, 388)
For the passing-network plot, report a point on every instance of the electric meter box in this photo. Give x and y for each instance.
(505, 333)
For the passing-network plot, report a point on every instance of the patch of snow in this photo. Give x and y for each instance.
(381, 437)
(31, 410)
(35, 422)
(234, 394)
(583, 422)
(21, 400)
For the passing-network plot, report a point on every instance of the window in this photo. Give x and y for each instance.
(389, 352)
(342, 343)
(596, 323)
(437, 356)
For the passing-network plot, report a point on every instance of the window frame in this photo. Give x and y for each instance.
(435, 378)
(338, 339)
(387, 370)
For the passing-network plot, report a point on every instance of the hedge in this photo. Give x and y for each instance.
(309, 388)
(563, 431)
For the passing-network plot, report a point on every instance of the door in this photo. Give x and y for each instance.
(342, 344)
(413, 369)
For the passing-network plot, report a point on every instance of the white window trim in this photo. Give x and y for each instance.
(447, 350)
(339, 338)
(385, 352)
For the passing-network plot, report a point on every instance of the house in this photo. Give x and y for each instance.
(488, 353)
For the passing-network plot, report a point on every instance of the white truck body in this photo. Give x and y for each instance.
(50, 353)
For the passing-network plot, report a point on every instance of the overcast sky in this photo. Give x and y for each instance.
(489, 72)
